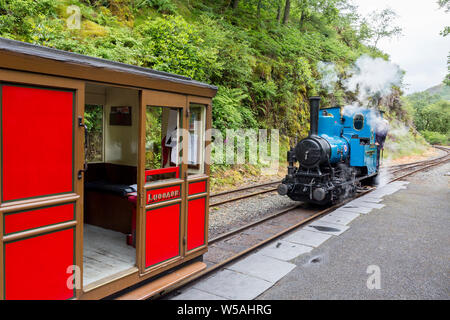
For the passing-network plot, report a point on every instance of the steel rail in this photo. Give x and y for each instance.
(243, 189)
(396, 168)
(245, 196)
(243, 253)
(233, 232)
(263, 242)
(250, 225)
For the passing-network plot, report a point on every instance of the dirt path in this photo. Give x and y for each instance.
(429, 154)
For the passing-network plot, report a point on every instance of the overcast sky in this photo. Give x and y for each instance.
(421, 51)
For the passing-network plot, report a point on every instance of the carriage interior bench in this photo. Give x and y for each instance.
(104, 186)
(110, 193)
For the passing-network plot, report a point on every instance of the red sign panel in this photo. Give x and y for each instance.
(163, 194)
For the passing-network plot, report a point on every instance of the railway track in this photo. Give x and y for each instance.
(224, 197)
(237, 243)
(242, 193)
(419, 165)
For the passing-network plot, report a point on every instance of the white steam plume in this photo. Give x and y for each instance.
(372, 77)
(329, 75)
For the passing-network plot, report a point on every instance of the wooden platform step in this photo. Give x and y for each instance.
(163, 283)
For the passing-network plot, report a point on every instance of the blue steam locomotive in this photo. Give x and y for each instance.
(339, 153)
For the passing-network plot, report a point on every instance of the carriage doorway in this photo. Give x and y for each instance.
(110, 184)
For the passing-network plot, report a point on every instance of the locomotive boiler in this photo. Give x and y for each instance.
(340, 152)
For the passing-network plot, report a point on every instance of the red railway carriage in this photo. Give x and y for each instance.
(104, 176)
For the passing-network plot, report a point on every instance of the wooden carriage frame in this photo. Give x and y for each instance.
(29, 65)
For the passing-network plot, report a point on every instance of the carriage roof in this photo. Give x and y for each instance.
(34, 58)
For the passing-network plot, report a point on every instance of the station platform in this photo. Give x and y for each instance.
(393, 243)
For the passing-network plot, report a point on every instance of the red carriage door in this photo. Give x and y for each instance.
(160, 181)
(41, 186)
(198, 123)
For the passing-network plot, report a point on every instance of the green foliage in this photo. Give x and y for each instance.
(403, 141)
(431, 109)
(234, 55)
(445, 4)
(382, 25)
(228, 112)
(434, 117)
(19, 17)
(153, 151)
(174, 45)
(436, 137)
(265, 70)
(419, 100)
(93, 118)
(163, 6)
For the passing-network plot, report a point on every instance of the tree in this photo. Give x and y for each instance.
(258, 14)
(287, 10)
(279, 7)
(234, 4)
(382, 25)
(446, 4)
(304, 7)
(434, 117)
(349, 25)
(447, 77)
(324, 10)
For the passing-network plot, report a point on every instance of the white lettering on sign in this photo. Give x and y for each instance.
(153, 197)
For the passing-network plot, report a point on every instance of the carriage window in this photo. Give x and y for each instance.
(162, 143)
(93, 116)
(196, 158)
(358, 122)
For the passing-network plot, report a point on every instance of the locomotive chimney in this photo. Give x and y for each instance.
(314, 106)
